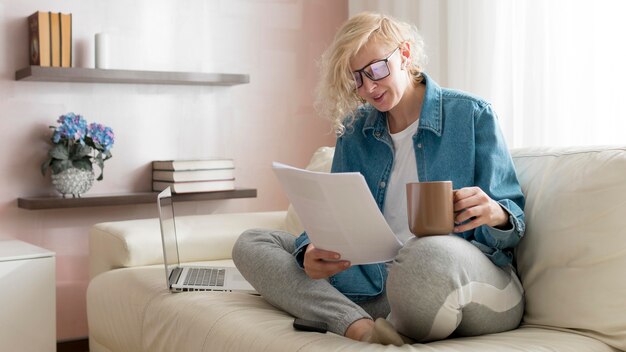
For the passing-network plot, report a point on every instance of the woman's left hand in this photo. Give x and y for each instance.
(473, 203)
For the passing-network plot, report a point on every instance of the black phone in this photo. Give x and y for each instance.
(310, 325)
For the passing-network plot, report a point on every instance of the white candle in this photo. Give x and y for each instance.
(102, 50)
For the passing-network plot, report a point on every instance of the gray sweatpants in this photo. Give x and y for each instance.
(437, 286)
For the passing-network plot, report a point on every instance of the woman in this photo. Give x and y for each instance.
(396, 125)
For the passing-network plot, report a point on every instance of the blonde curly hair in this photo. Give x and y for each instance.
(337, 97)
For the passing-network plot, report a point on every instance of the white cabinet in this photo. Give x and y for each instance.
(27, 298)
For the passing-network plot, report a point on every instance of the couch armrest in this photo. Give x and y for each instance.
(120, 244)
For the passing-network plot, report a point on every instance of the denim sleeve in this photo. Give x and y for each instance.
(339, 159)
(301, 243)
(495, 175)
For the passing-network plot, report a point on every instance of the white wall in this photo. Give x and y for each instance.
(269, 119)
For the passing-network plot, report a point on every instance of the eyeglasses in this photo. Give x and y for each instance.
(375, 71)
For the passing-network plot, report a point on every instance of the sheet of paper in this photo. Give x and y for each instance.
(339, 214)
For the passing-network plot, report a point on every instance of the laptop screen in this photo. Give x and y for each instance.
(168, 230)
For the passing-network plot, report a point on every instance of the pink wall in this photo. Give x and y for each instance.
(277, 42)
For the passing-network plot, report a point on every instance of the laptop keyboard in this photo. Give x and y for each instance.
(205, 277)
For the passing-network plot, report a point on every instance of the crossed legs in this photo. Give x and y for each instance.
(437, 286)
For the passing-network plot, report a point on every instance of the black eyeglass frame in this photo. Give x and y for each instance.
(362, 70)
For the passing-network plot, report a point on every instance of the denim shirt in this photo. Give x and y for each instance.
(458, 139)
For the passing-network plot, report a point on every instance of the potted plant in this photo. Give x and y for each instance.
(76, 145)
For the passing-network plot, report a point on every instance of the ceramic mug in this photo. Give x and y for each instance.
(430, 208)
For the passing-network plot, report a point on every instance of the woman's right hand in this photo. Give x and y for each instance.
(320, 264)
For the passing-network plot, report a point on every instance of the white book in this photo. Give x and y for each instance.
(339, 214)
(193, 187)
(193, 175)
(193, 164)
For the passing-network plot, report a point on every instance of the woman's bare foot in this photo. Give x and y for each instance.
(359, 329)
(385, 334)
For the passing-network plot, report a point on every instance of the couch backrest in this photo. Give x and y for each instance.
(572, 260)
(122, 244)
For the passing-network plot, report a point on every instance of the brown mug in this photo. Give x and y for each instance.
(430, 208)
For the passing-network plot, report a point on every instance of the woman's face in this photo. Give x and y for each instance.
(375, 60)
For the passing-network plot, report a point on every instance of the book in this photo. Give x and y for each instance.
(193, 175)
(339, 214)
(66, 39)
(197, 186)
(193, 164)
(55, 39)
(39, 38)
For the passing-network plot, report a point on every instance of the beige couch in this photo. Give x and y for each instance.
(572, 263)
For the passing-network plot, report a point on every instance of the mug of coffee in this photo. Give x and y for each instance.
(430, 208)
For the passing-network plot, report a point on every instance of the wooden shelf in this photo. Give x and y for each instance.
(56, 202)
(92, 75)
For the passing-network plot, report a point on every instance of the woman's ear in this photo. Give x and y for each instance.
(405, 52)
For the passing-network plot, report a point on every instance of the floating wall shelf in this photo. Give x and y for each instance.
(93, 75)
(56, 202)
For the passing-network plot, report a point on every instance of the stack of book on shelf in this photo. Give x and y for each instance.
(190, 176)
(50, 39)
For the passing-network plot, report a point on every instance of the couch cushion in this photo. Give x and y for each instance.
(131, 310)
(321, 161)
(573, 256)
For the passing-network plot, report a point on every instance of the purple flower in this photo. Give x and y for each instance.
(101, 135)
(72, 128)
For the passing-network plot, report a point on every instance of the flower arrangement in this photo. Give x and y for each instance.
(77, 144)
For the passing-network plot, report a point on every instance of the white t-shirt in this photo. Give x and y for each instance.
(404, 171)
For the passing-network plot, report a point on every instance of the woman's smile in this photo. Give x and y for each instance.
(378, 98)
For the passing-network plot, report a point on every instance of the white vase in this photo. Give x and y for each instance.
(73, 181)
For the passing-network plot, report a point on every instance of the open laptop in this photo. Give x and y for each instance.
(182, 278)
